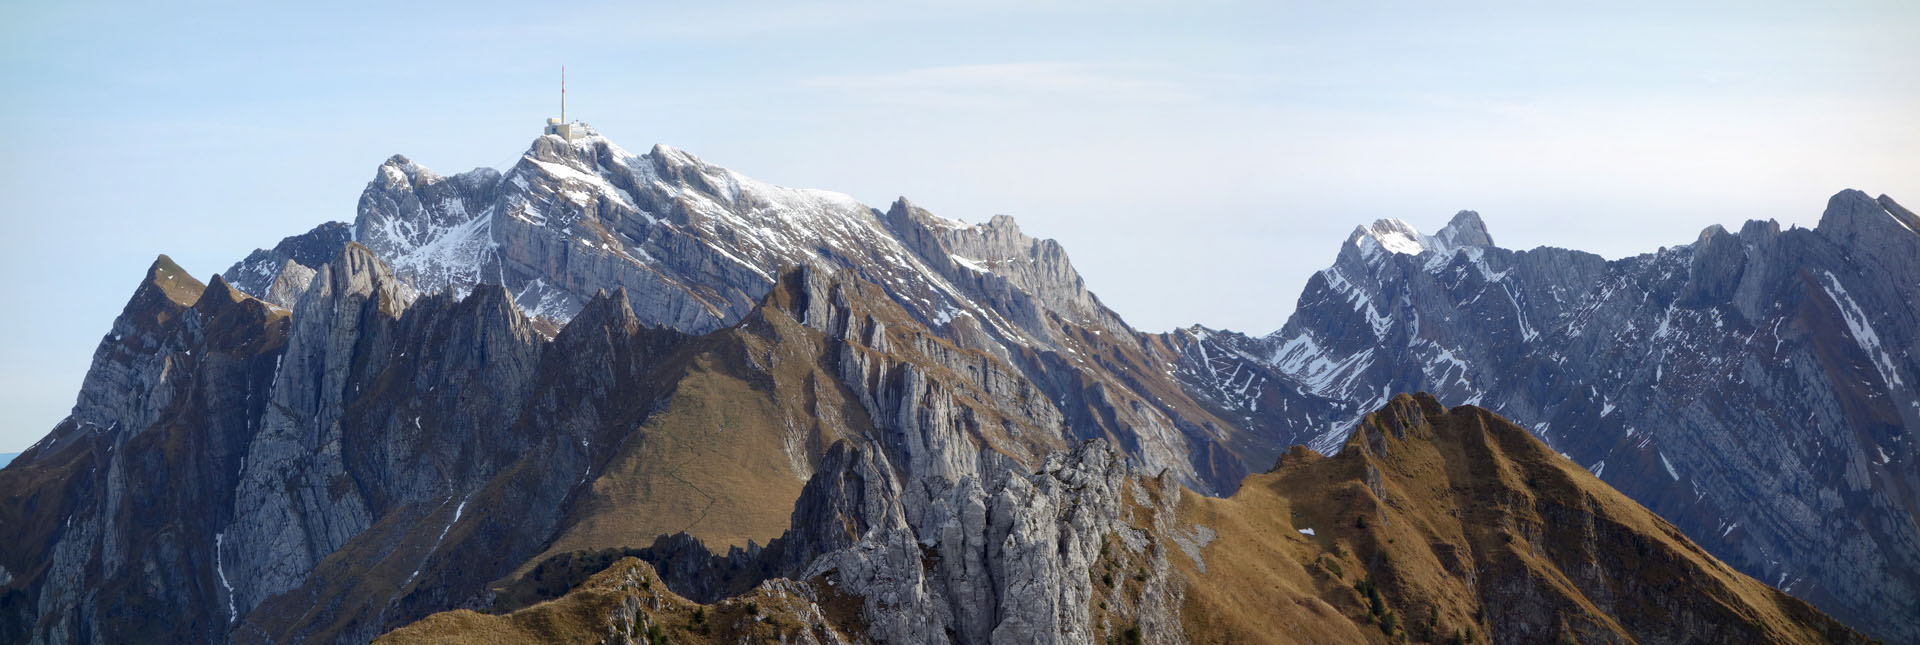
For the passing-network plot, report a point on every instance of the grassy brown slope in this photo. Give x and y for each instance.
(747, 420)
(726, 458)
(1468, 526)
(626, 600)
(174, 282)
(1265, 581)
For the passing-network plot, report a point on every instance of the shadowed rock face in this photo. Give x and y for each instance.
(1756, 388)
(113, 513)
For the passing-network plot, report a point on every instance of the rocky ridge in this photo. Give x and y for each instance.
(1753, 387)
(694, 245)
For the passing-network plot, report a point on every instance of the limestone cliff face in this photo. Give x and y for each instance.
(963, 519)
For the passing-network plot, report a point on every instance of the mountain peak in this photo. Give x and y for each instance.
(604, 311)
(1852, 215)
(1465, 229)
(217, 296)
(1393, 235)
(174, 282)
(1397, 236)
(358, 271)
(1710, 232)
(904, 217)
(398, 170)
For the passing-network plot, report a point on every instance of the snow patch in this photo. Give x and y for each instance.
(970, 264)
(436, 541)
(1397, 236)
(1862, 332)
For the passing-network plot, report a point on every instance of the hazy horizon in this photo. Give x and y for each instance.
(1198, 163)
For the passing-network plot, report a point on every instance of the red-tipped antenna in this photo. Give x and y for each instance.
(563, 94)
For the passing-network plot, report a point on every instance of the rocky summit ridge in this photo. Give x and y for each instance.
(603, 396)
(696, 245)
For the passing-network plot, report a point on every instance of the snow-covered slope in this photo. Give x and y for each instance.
(694, 244)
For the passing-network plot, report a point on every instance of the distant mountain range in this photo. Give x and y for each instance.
(677, 400)
(1755, 388)
(7, 457)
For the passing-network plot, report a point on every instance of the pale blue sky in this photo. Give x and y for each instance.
(1199, 162)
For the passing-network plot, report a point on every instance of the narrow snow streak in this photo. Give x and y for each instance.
(1897, 220)
(436, 541)
(1862, 332)
(220, 567)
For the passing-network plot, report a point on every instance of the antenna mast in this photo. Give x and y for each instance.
(563, 94)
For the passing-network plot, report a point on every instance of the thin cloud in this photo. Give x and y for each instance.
(1007, 85)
